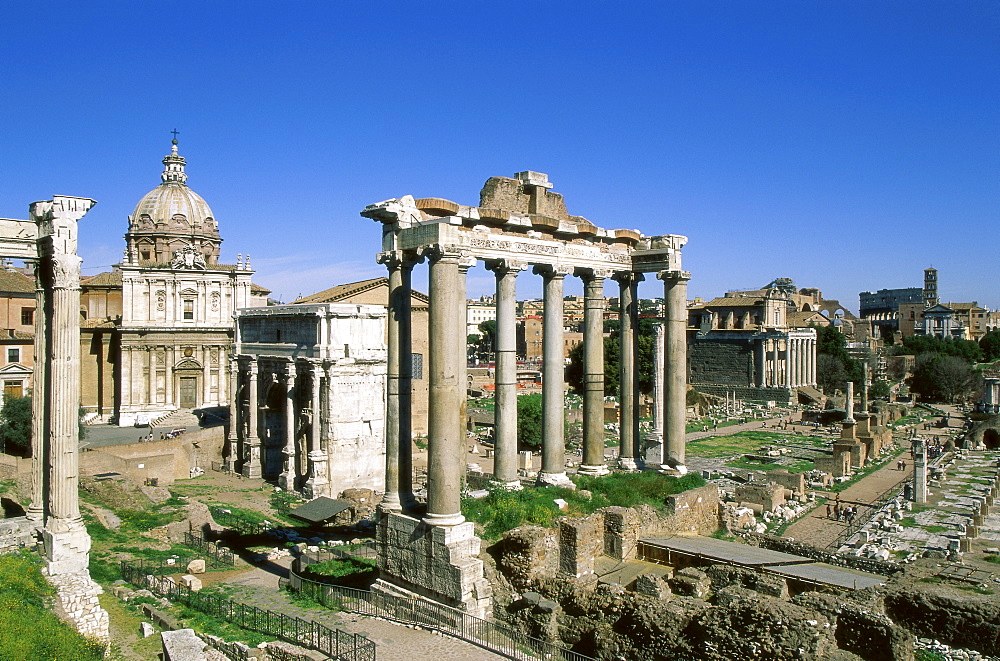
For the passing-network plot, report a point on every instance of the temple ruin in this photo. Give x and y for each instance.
(519, 224)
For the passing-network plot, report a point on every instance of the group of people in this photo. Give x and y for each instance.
(901, 465)
(839, 512)
(163, 435)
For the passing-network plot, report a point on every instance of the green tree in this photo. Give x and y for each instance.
(879, 390)
(943, 378)
(834, 365)
(529, 420)
(917, 345)
(990, 345)
(15, 426)
(644, 344)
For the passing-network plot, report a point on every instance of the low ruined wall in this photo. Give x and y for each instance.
(969, 621)
(530, 552)
(167, 460)
(16, 533)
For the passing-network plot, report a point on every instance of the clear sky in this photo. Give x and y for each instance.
(847, 145)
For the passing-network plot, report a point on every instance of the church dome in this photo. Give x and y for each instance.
(172, 218)
(171, 199)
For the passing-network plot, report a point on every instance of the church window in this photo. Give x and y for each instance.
(417, 365)
(188, 309)
(145, 255)
(27, 316)
(13, 354)
(13, 389)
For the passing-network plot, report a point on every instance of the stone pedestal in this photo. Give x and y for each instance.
(77, 601)
(438, 563)
(67, 547)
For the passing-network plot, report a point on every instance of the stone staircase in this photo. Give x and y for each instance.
(178, 418)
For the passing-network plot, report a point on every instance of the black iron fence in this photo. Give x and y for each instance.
(365, 551)
(244, 525)
(865, 516)
(336, 644)
(494, 636)
(216, 554)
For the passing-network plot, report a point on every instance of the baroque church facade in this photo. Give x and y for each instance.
(166, 347)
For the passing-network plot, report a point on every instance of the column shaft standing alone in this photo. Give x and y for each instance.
(553, 380)
(251, 464)
(398, 441)
(505, 392)
(628, 376)
(593, 375)
(675, 406)
(445, 434)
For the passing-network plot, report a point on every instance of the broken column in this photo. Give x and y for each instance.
(675, 361)
(654, 439)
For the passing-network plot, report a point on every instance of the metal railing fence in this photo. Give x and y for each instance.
(336, 644)
(216, 554)
(494, 636)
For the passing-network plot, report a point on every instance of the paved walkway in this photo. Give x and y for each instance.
(820, 531)
(394, 642)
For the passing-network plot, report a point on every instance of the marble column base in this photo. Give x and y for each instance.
(628, 464)
(67, 547)
(555, 480)
(444, 520)
(513, 485)
(596, 470)
(678, 470)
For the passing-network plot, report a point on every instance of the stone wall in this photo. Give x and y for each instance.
(78, 603)
(722, 363)
(749, 394)
(16, 533)
(528, 553)
(794, 481)
(768, 495)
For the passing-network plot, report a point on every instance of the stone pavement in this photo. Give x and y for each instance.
(394, 642)
(820, 531)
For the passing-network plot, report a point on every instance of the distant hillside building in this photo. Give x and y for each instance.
(742, 344)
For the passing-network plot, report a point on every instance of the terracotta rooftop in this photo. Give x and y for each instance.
(340, 292)
(16, 282)
(106, 279)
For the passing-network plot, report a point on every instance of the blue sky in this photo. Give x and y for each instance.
(847, 145)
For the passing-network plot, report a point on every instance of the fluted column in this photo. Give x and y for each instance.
(659, 358)
(67, 544)
(252, 461)
(151, 376)
(505, 389)
(286, 480)
(675, 409)
(206, 390)
(233, 437)
(553, 379)
(168, 375)
(398, 434)
(39, 385)
(316, 484)
(628, 375)
(593, 373)
(761, 358)
(445, 434)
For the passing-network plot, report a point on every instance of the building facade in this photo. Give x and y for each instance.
(309, 383)
(156, 331)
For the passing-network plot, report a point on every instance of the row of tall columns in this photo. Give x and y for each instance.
(991, 395)
(791, 367)
(447, 380)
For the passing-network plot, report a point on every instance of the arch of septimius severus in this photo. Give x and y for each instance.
(519, 225)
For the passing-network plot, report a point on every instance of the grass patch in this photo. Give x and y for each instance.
(504, 510)
(744, 442)
(993, 557)
(28, 629)
(936, 529)
(796, 466)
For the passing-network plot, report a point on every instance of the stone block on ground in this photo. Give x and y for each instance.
(146, 629)
(182, 645)
(196, 566)
(191, 582)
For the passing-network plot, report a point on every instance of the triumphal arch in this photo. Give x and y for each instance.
(520, 225)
